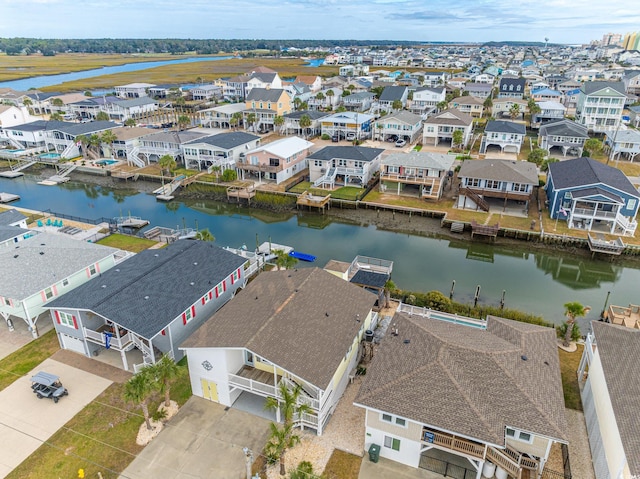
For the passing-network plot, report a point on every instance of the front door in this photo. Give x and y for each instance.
(209, 390)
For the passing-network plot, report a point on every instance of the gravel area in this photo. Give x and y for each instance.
(345, 431)
(579, 451)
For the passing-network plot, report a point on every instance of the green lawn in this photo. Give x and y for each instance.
(569, 363)
(23, 360)
(345, 193)
(100, 438)
(127, 243)
(342, 465)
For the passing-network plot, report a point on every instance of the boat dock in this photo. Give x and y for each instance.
(314, 201)
(237, 192)
(133, 222)
(165, 192)
(168, 235)
(8, 197)
(268, 250)
(17, 171)
(599, 244)
(61, 177)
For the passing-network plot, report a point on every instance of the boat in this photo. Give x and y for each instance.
(302, 256)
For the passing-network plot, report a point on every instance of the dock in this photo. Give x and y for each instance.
(8, 197)
(17, 171)
(267, 250)
(484, 230)
(314, 201)
(599, 244)
(168, 235)
(245, 192)
(133, 222)
(165, 192)
(61, 177)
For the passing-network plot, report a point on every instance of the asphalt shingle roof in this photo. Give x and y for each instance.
(9, 232)
(302, 320)
(227, 141)
(392, 93)
(563, 127)
(9, 217)
(591, 87)
(595, 191)
(151, 289)
(312, 114)
(619, 351)
(501, 126)
(265, 94)
(585, 171)
(360, 153)
(420, 159)
(469, 381)
(75, 129)
(451, 116)
(501, 170)
(44, 259)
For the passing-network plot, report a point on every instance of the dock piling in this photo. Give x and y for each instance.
(476, 296)
(453, 287)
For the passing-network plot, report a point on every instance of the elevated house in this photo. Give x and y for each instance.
(263, 105)
(477, 397)
(222, 116)
(314, 82)
(502, 107)
(564, 135)
(323, 100)
(276, 161)
(347, 124)
(416, 173)
(480, 90)
(131, 311)
(291, 125)
(155, 146)
(392, 94)
(631, 80)
(623, 144)
(220, 151)
(47, 266)
(359, 101)
(440, 127)
(298, 327)
(470, 105)
(164, 91)
(206, 92)
(26, 136)
(546, 94)
(426, 99)
(128, 142)
(343, 165)
(62, 137)
(611, 399)
(549, 111)
(600, 105)
(89, 107)
(133, 90)
(483, 182)
(235, 88)
(507, 135)
(511, 87)
(592, 196)
(403, 125)
(434, 79)
(121, 111)
(267, 79)
(11, 115)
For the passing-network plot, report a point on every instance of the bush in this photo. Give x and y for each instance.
(325, 137)
(562, 329)
(229, 175)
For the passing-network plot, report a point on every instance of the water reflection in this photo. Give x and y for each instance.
(577, 273)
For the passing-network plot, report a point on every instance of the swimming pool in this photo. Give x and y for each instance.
(106, 162)
(14, 151)
(49, 156)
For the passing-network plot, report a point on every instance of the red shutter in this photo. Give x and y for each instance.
(203, 299)
(232, 274)
(75, 323)
(55, 290)
(224, 285)
(57, 316)
(164, 332)
(193, 311)
(210, 295)
(88, 273)
(44, 296)
(239, 273)
(184, 318)
(98, 267)
(217, 292)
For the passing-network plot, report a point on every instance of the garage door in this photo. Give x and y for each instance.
(598, 455)
(73, 344)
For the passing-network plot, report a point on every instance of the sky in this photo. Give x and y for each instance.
(562, 21)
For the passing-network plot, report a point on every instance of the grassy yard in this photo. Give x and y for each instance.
(127, 243)
(345, 193)
(569, 363)
(100, 438)
(23, 360)
(342, 465)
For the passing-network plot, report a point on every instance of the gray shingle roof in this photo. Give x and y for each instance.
(469, 381)
(360, 153)
(43, 260)
(563, 127)
(451, 116)
(9, 232)
(227, 141)
(75, 129)
(143, 100)
(302, 320)
(420, 159)
(314, 115)
(585, 171)
(392, 93)
(264, 94)
(10, 217)
(151, 289)
(501, 126)
(177, 137)
(619, 351)
(403, 116)
(594, 191)
(501, 170)
(591, 87)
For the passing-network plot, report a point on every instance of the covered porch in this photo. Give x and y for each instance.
(598, 211)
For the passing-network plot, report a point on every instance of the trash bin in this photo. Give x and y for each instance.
(374, 453)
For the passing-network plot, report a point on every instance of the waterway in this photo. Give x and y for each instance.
(535, 281)
(48, 80)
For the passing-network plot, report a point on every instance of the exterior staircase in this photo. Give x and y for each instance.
(329, 177)
(133, 158)
(70, 151)
(477, 199)
(628, 227)
(15, 143)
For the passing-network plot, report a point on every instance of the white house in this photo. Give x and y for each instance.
(11, 115)
(402, 124)
(205, 92)
(624, 143)
(222, 150)
(600, 105)
(426, 99)
(133, 90)
(343, 165)
(440, 127)
(507, 135)
(276, 161)
(282, 329)
(611, 399)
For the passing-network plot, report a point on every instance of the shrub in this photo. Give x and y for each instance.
(325, 137)
(562, 329)
(229, 175)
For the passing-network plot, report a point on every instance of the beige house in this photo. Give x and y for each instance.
(484, 397)
(440, 128)
(468, 104)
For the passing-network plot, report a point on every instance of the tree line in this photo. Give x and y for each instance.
(176, 46)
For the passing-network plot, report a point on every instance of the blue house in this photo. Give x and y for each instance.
(592, 196)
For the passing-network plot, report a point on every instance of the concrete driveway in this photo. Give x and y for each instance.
(385, 468)
(202, 441)
(26, 421)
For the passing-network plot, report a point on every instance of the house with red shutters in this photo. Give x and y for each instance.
(148, 305)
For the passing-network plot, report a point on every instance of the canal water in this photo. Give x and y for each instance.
(534, 281)
(48, 80)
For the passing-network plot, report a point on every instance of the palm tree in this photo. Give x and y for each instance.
(236, 119)
(442, 105)
(488, 103)
(166, 162)
(164, 371)
(251, 119)
(290, 407)
(183, 122)
(278, 121)
(593, 146)
(297, 102)
(94, 142)
(57, 102)
(109, 137)
(130, 122)
(56, 116)
(102, 116)
(388, 287)
(514, 111)
(84, 142)
(305, 124)
(396, 105)
(137, 391)
(320, 97)
(457, 138)
(573, 311)
(284, 260)
(379, 127)
(205, 235)
(330, 95)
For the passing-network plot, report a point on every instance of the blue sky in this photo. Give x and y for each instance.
(564, 21)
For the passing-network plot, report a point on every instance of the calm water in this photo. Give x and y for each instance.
(537, 282)
(48, 80)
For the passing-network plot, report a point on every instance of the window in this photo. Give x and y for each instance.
(67, 319)
(386, 417)
(401, 422)
(92, 270)
(65, 282)
(392, 443)
(188, 315)
(473, 182)
(220, 288)
(398, 421)
(519, 435)
(519, 187)
(48, 293)
(235, 276)
(631, 204)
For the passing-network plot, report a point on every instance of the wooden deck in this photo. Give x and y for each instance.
(598, 244)
(314, 201)
(263, 377)
(245, 192)
(629, 317)
(484, 230)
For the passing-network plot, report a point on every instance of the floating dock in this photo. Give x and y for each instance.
(8, 197)
(134, 222)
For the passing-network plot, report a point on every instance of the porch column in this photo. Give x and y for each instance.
(124, 360)
(32, 324)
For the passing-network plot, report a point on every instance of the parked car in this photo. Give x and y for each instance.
(400, 143)
(46, 385)
(337, 136)
(392, 138)
(351, 136)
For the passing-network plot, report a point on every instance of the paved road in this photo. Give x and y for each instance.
(26, 421)
(202, 441)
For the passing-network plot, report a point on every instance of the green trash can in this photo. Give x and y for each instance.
(374, 453)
